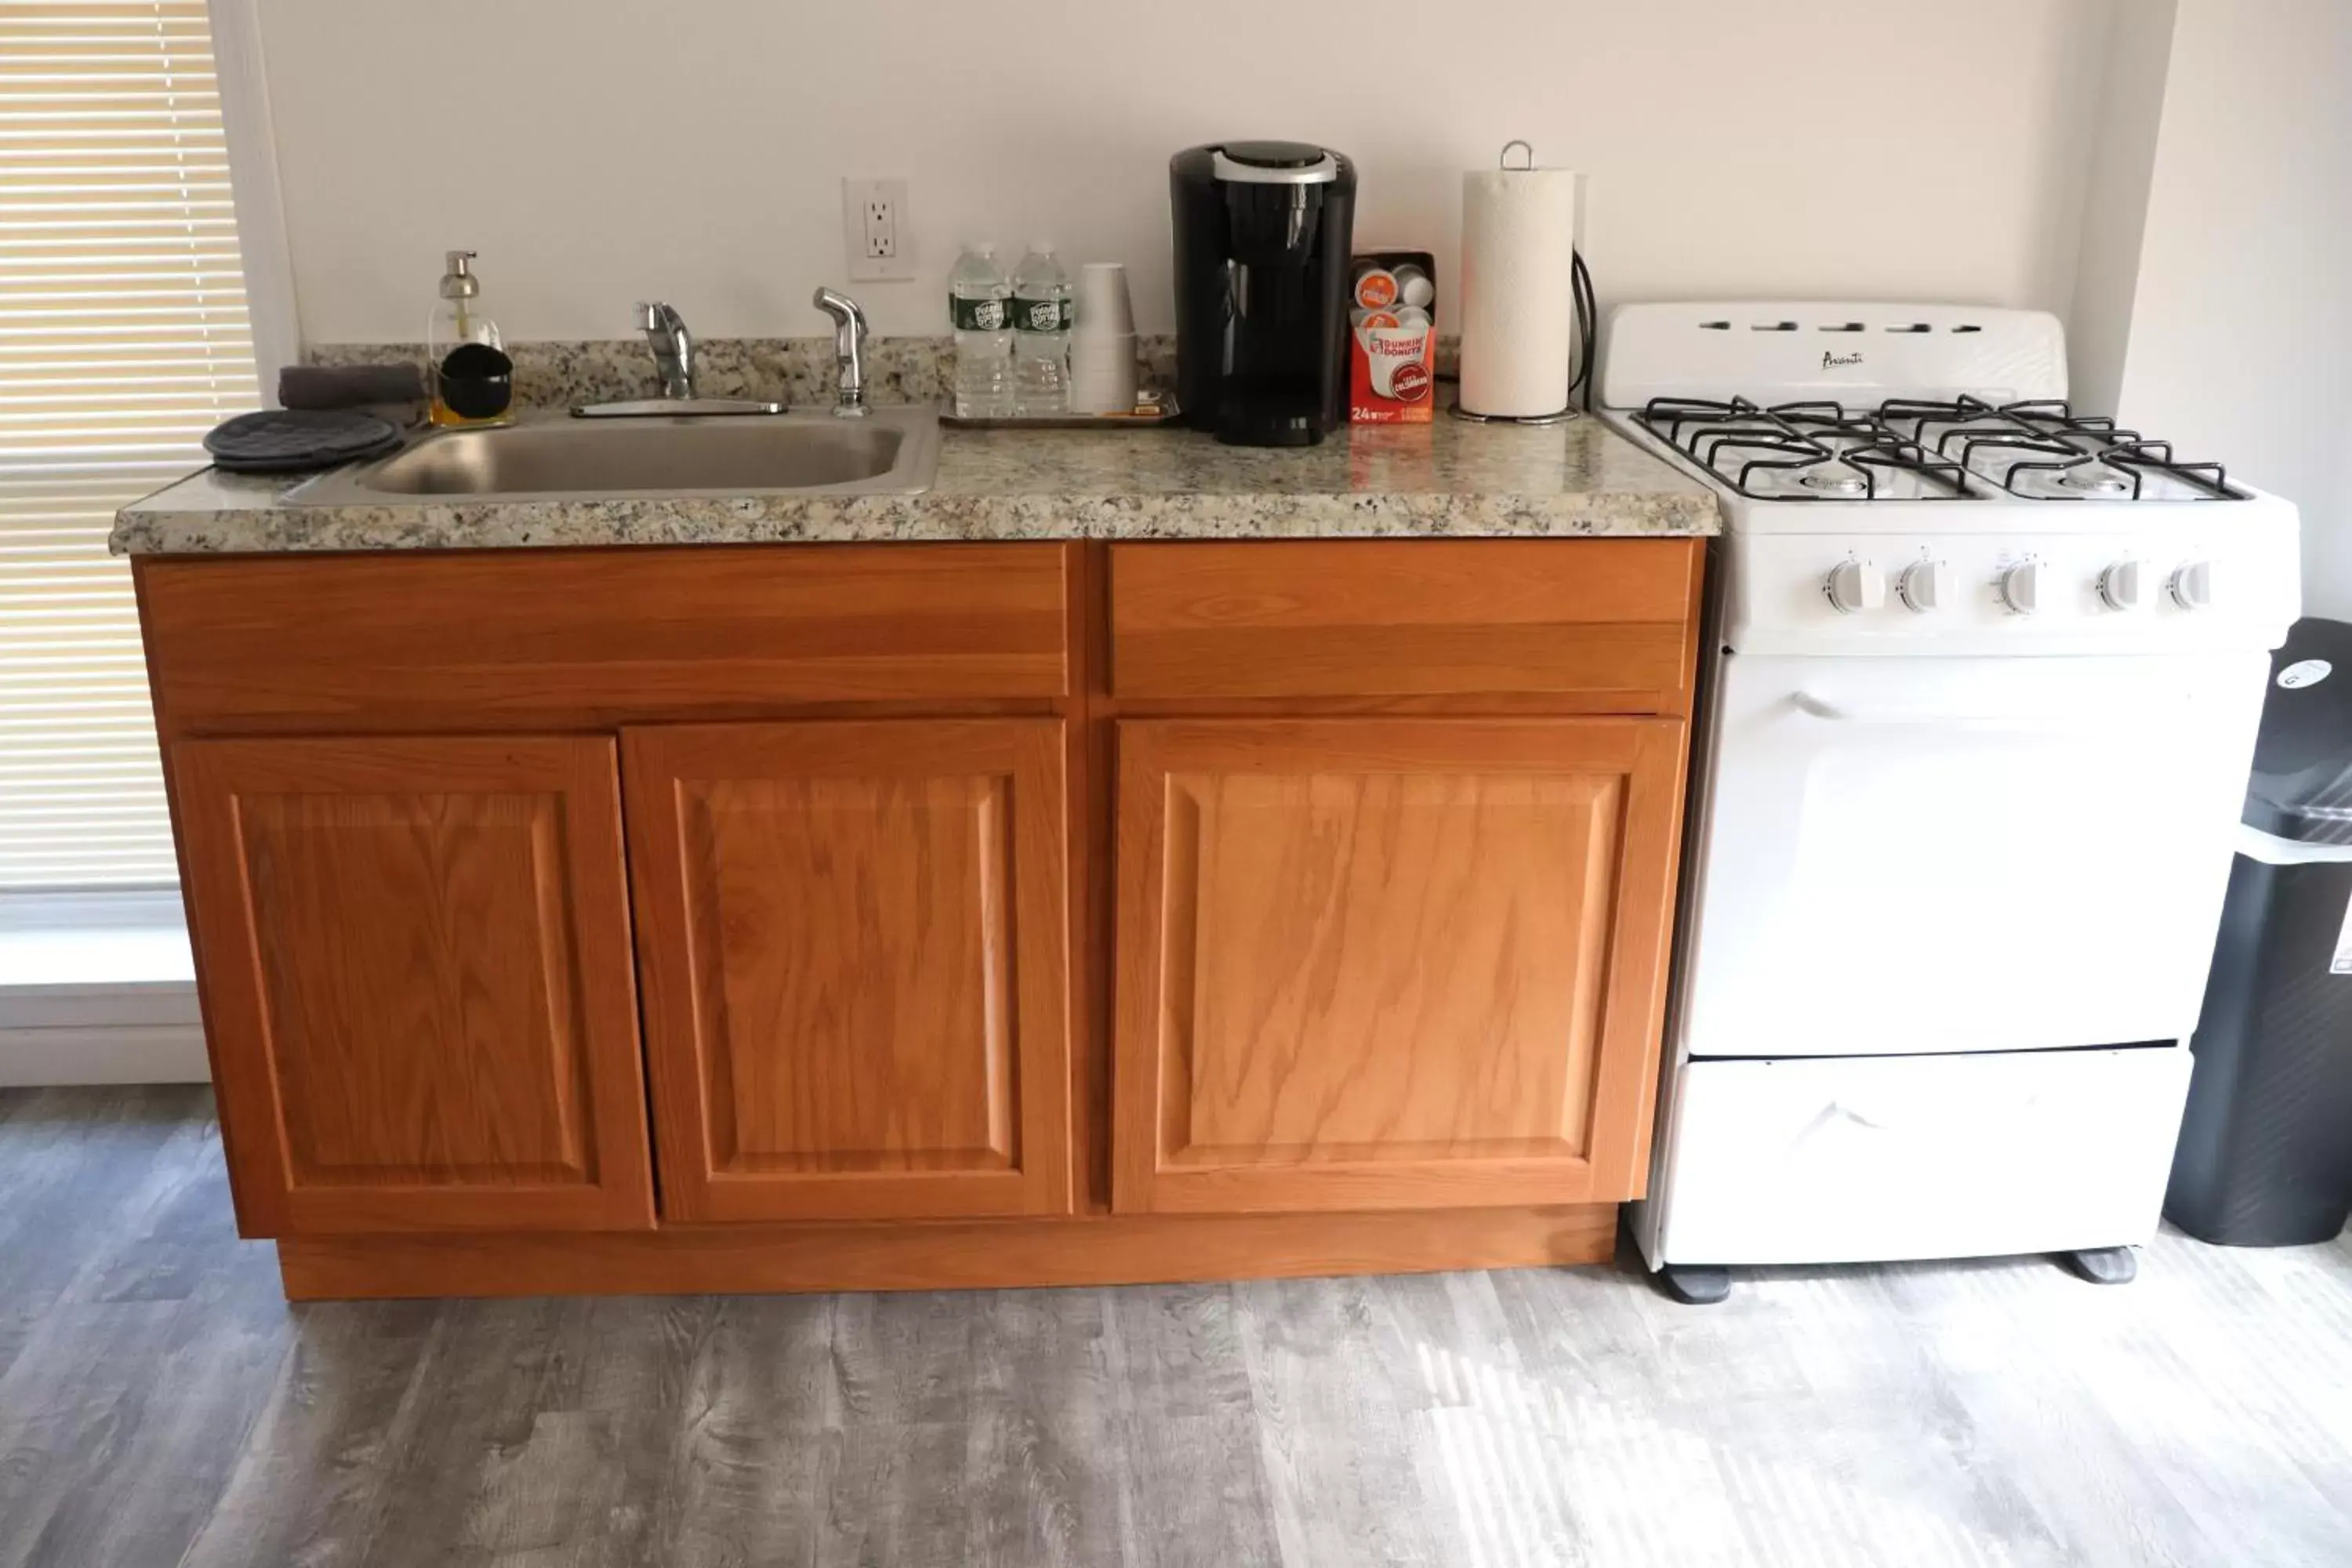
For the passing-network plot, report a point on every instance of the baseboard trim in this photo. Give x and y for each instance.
(1128, 1249)
(50, 1058)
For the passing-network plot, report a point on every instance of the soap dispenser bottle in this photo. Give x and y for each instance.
(458, 321)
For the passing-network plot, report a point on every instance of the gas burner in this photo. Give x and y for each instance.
(1812, 451)
(2044, 450)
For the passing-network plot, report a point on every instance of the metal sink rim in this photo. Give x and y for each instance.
(911, 472)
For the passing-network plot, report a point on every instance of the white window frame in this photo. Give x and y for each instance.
(138, 1023)
(269, 297)
(98, 988)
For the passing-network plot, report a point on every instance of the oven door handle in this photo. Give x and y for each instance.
(1813, 707)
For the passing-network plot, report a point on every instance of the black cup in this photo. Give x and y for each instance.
(477, 381)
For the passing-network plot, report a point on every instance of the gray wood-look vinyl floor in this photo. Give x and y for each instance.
(159, 1404)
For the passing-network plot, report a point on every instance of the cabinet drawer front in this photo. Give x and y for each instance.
(418, 986)
(595, 637)
(1612, 622)
(851, 941)
(1389, 963)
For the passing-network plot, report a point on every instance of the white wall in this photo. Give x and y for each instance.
(2240, 343)
(596, 151)
(2115, 204)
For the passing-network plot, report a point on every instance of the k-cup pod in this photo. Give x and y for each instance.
(1376, 287)
(1397, 359)
(1414, 287)
(1411, 316)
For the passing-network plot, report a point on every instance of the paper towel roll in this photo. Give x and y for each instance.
(1518, 291)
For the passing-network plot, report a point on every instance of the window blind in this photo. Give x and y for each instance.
(123, 338)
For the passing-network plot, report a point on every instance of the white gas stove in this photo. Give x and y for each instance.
(1980, 691)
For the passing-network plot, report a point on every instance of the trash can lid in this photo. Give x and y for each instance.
(2302, 785)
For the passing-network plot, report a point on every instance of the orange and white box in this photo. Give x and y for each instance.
(1393, 355)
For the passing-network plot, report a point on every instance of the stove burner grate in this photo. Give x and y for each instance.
(2087, 457)
(1748, 445)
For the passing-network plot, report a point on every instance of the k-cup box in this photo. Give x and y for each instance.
(1392, 348)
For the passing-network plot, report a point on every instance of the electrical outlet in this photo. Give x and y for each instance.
(873, 230)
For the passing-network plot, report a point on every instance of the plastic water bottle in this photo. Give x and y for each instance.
(980, 306)
(1041, 334)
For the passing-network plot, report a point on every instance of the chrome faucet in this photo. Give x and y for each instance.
(672, 345)
(848, 350)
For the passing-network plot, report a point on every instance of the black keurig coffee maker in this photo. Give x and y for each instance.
(1264, 231)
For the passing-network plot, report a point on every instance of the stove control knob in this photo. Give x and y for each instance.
(2120, 585)
(2021, 587)
(1926, 585)
(1856, 586)
(2193, 585)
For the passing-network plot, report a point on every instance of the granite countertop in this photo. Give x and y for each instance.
(1449, 478)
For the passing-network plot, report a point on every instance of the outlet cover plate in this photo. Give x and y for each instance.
(873, 231)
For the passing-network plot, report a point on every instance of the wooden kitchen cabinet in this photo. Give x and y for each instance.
(1379, 964)
(416, 966)
(851, 939)
(928, 916)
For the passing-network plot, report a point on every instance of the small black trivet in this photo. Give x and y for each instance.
(288, 440)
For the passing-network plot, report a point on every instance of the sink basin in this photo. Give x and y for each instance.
(890, 451)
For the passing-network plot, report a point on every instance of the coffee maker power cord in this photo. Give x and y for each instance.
(1588, 312)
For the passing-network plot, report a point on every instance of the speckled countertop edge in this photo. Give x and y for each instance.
(869, 519)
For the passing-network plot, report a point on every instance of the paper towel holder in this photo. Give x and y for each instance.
(1562, 417)
(1503, 161)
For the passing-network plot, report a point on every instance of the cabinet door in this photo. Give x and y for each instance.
(1390, 964)
(417, 982)
(851, 941)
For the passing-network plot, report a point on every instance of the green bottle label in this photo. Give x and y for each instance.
(1040, 315)
(977, 315)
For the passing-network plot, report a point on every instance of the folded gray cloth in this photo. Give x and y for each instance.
(349, 385)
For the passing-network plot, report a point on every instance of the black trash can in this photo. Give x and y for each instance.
(2265, 1152)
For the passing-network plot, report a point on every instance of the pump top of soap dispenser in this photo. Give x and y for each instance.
(459, 283)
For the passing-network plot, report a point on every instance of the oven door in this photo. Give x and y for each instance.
(1934, 854)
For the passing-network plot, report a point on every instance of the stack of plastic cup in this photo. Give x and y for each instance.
(1102, 343)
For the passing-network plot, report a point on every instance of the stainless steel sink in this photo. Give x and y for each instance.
(891, 451)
